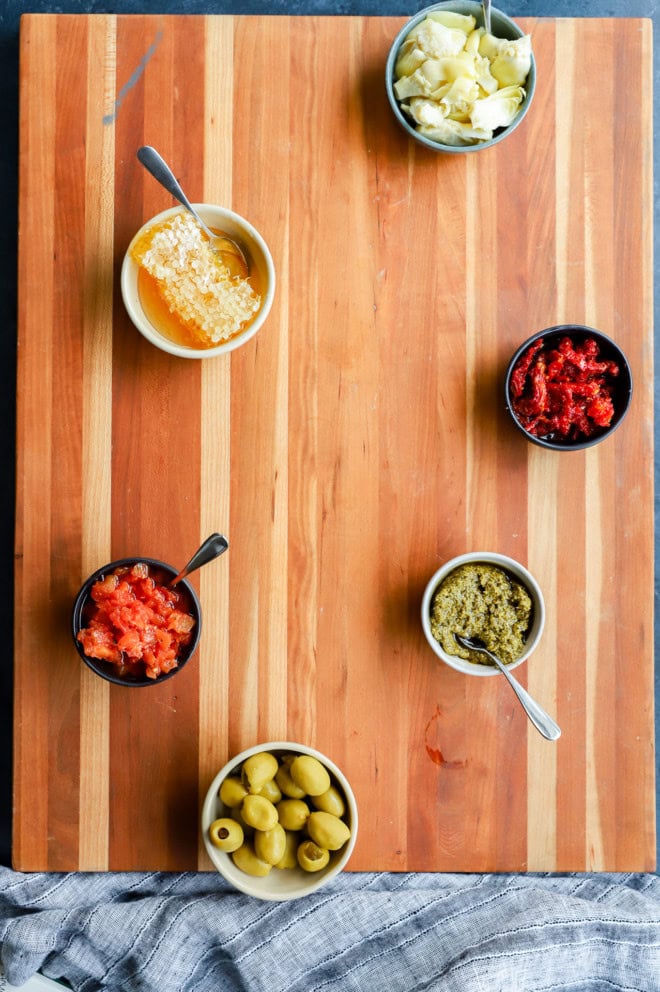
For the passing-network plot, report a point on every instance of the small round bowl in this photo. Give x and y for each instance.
(261, 263)
(287, 883)
(501, 27)
(105, 669)
(622, 384)
(520, 573)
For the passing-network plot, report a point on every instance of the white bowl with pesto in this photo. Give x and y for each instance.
(280, 884)
(519, 573)
(262, 275)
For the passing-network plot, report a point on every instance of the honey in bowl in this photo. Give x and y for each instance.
(191, 293)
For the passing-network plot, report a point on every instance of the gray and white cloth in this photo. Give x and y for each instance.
(192, 932)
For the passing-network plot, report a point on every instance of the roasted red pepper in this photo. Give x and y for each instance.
(563, 392)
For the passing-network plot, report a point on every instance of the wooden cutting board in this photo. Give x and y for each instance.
(354, 445)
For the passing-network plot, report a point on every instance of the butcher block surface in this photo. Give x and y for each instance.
(349, 449)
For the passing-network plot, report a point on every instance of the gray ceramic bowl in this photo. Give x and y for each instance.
(502, 27)
(621, 386)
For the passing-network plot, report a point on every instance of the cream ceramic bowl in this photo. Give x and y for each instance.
(259, 257)
(520, 573)
(279, 884)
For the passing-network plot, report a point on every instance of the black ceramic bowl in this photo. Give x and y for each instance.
(620, 386)
(161, 572)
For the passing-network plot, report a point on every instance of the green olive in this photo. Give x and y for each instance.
(287, 785)
(289, 859)
(245, 859)
(259, 812)
(226, 834)
(308, 773)
(236, 814)
(331, 801)
(232, 791)
(293, 813)
(311, 857)
(270, 845)
(271, 791)
(327, 830)
(257, 770)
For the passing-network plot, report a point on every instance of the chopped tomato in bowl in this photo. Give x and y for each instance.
(131, 627)
(568, 387)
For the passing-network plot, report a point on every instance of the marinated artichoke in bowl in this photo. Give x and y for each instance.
(458, 84)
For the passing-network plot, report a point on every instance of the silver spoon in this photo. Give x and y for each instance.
(232, 253)
(541, 720)
(486, 8)
(212, 548)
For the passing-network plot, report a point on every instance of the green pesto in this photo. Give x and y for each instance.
(484, 601)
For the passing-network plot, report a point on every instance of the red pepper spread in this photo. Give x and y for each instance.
(135, 623)
(563, 393)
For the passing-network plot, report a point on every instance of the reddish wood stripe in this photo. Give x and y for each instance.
(354, 445)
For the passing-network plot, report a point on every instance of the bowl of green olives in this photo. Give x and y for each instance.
(279, 820)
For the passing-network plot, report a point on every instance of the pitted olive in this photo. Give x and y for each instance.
(258, 812)
(257, 770)
(271, 791)
(289, 858)
(308, 773)
(226, 834)
(327, 830)
(286, 783)
(331, 801)
(232, 791)
(246, 859)
(293, 813)
(270, 845)
(311, 857)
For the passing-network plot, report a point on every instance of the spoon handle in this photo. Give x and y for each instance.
(160, 170)
(486, 8)
(213, 547)
(541, 720)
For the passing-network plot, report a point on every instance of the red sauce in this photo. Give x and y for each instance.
(563, 393)
(135, 622)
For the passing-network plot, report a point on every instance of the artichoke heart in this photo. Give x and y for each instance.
(423, 82)
(459, 98)
(455, 133)
(489, 45)
(485, 78)
(513, 62)
(498, 109)
(472, 43)
(427, 113)
(460, 22)
(409, 60)
(437, 40)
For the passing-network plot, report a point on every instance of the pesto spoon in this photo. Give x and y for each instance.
(541, 720)
(212, 548)
(229, 250)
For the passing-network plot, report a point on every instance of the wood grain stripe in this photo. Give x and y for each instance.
(214, 658)
(34, 425)
(96, 457)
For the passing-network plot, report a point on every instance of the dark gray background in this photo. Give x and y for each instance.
(10, 12)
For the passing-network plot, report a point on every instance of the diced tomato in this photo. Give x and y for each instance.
(135, 622)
